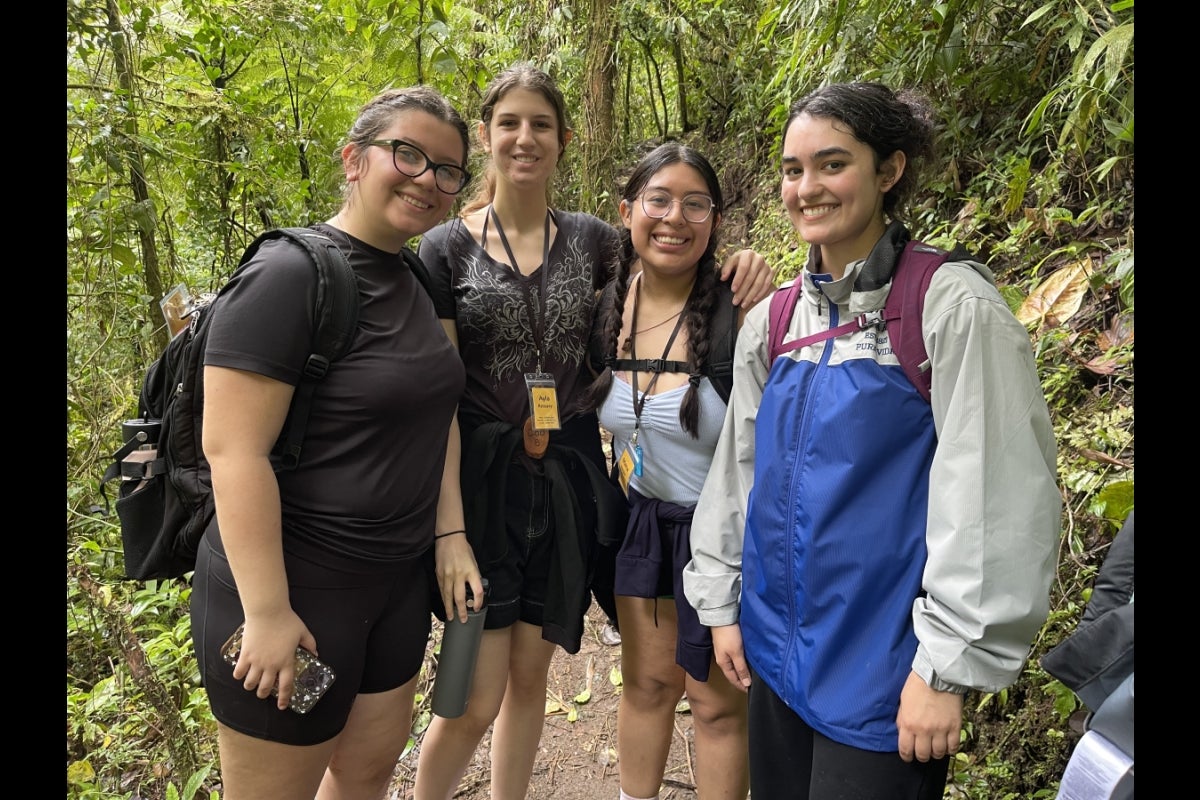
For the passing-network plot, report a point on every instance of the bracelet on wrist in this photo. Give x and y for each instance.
(447, 533)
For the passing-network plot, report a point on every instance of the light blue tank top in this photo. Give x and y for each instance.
(674, 464)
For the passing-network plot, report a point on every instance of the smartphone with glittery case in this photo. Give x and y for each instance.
(313, 676)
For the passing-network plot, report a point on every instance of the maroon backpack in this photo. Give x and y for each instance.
(905, 302)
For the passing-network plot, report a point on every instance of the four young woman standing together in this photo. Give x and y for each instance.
(514, 486)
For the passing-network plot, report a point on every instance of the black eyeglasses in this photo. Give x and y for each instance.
(696, 207)
(410, 160)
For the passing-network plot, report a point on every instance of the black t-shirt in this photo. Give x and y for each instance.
(496, 330)
(370, 473)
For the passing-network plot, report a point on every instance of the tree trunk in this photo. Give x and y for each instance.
(137, 173)
(651, 67)
(681, 86)
(600, 136)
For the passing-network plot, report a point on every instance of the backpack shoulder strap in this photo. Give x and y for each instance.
(783, 303)
(904, 306)
(418, 268)
(336, 314)
(719, 368)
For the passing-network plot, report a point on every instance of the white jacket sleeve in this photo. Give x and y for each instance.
(712, 580)
(994, 504)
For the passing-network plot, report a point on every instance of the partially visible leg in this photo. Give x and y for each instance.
(518, 728)
(781, 747)
(788, 759)
(448, 744)
(603, 575)
(843, 771)
(652, 684)
(379, 723)
(719, 721)
(256, 769)
(364, 759)
(259, 766)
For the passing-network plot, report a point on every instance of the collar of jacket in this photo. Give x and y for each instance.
(879, 265)
(881, 262)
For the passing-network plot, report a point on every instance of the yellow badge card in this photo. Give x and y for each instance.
(543, 401)
(625, 470)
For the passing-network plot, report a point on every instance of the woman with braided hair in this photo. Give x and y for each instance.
(659, 328)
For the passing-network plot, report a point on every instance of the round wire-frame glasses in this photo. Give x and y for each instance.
(696, 207)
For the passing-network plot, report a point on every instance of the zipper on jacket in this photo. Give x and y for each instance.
(802, 435)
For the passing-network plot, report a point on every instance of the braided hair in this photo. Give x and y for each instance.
(700, 308)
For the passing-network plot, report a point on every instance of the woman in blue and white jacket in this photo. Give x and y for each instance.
(871, 557)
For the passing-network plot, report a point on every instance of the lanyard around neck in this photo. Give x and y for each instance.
(537, 311)
(639, 403)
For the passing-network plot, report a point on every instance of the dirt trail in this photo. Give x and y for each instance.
(577, 760)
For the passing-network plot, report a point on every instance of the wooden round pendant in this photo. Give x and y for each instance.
(536, 441)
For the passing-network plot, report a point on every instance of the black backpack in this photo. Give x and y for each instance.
(165, 500)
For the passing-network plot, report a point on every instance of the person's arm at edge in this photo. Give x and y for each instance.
(243, 415)
(751, 278)
(994, 510)
(712, 579)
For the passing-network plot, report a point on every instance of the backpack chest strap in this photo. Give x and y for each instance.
(871, 319)
(646, 365)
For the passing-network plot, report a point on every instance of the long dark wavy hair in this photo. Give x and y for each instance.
(701, 305)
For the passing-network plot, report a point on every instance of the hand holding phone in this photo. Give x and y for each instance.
(313, 676)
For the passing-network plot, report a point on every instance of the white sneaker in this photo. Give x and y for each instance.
(609, 635)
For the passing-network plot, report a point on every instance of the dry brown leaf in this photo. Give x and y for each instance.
(1102, 365)
(1059, 296)
(1118, 333)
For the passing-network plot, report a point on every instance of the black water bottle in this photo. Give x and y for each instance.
(456, 664)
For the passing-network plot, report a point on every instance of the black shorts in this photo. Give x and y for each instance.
(371, 627)
(518, 581)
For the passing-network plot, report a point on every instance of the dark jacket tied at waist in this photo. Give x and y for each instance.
(585, 505)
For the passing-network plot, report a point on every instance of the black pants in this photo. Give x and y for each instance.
(791, 761)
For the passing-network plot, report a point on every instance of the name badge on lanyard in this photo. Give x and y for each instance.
(543, 401)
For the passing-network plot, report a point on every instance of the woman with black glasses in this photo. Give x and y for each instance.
(331, 557)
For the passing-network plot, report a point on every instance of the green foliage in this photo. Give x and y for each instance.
(235, 112)
(1096, 96)
(115, 731)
